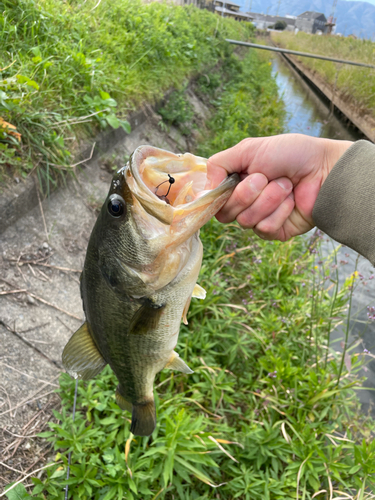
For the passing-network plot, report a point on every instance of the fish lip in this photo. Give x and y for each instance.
(144, 194)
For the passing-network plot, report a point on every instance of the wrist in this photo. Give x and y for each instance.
(332, 152)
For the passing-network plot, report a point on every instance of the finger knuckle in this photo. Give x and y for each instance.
(245, 221)
(262, 235)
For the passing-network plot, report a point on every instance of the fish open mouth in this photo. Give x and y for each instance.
(170, 187)
(173, 179)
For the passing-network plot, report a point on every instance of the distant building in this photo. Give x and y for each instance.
(264, 21)
(176, 2)
(230, 9)
(311, 22)
(225, 9)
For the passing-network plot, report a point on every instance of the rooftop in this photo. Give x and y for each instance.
(310, 14)
(228, 3)
(272, 19)
(233, 12)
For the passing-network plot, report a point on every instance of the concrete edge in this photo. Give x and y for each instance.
(365, 125)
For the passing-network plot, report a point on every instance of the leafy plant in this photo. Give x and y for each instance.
(246, 104)
(178, 111)
(69, 69)
(263, 415)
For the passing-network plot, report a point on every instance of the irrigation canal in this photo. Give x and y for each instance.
(308, 114)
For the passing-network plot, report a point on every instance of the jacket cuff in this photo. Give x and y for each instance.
(345, 206)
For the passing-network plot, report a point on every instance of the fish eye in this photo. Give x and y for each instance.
(116, 206)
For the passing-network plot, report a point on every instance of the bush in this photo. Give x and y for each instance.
(280, 25)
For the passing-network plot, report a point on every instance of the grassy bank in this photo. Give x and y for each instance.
(266, 414)
(243, 100)
(247, 105)
(270, 412)
(70, 69)
(356, 84)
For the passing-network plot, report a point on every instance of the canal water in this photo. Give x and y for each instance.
(308, 114)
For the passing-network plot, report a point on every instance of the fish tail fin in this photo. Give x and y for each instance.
(143, 419)
(121, 401)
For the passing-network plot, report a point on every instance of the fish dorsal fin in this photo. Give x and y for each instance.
(146, 318)
(176, 363)
(143, 419)
(199, 292)
(81, 358)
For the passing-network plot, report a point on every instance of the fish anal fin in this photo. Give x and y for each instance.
(146, 318)
(178, 364)
(122, 402)
(199, 292)
(81, 358)
(143, 419)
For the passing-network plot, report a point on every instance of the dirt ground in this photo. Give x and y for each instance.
(41, 257)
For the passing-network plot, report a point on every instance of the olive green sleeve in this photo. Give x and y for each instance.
(345, 206)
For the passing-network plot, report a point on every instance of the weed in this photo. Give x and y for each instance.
(246, 105)
(261, 417)
(178, 111)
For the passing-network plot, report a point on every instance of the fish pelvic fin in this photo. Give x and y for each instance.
(81, 358)
(122, 402)
(199, 292)
(176, 363)
(143, 419)
(185, 311)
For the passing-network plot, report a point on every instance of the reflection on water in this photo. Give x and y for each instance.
(307, 114)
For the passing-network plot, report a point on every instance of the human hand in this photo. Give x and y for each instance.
(281, 178)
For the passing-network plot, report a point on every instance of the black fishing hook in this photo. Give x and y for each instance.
(171, 181)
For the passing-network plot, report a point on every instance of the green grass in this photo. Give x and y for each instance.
(243, 99)
(264, 415)
(270, 412)
(354, 83)
(246, 105)
(69, 70)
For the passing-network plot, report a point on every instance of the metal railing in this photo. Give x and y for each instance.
(297, 53)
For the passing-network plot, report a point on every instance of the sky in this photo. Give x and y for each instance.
(368, 1)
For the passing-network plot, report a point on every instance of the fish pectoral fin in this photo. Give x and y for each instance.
(81, 358)
(146, 318)
(122, 402)
(176, 363)
(143, 419)
(199, 292)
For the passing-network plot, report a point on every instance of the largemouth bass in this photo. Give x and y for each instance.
(140, 272)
